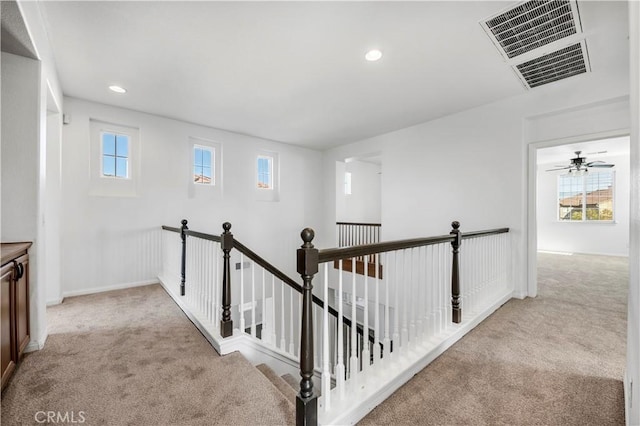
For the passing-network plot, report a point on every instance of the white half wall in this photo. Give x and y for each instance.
(583, 237)
(110, 241)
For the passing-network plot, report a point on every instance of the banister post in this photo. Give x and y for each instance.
(226, 242)
(183, 236)
(306, 401)
(455, 273)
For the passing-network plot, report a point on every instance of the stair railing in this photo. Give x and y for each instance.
(406, 293)
(260, 300)
(409, 297)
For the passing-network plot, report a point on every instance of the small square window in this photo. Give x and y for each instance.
(203, 165)
(265, 172)
(115, 155)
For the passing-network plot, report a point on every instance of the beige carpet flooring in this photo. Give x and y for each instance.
(557, 359)
(131, 357)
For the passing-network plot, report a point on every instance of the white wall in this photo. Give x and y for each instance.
(632, 374)
(21, 175)
(20, 90)
(364, 202)
(583, 237)
(472, 166)
(111, 241)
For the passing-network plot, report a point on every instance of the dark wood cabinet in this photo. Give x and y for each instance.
(14, 304)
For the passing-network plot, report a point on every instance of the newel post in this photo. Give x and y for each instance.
(183, 236)
(226, 324)
(455, 273)
(306, 401)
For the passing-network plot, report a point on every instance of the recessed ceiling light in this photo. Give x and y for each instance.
(118, 89)
(373, 55)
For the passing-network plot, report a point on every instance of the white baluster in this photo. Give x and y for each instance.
(404, 291)
(340, 373)
(283, 340)
(376, 318)
(292, 319)
(387, 281)
(272, 319)
(412, 292)
(396, 310)
(265, 334)
(241, 305)
(353, 361)
(366, 354)
(326, 374)
(253, 299)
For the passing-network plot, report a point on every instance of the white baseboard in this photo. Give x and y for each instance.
(627, 401)
(36, 345)
(93, 290)
(55, 301)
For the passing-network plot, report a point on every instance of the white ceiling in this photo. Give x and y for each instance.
(295, 72)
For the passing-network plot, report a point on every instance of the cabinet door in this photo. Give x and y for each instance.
(7, 352)
(22, 307)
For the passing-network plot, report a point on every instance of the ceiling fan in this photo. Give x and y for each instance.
(579, 165)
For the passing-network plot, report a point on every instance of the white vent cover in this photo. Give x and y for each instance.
(563, 63)
(533, 24)
(542, 40)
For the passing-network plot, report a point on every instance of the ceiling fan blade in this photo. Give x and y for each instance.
(601, 165)
(561, 168)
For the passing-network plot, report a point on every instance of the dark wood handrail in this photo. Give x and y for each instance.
(338, 253)
(202, 235)
(328, 255)
(171, 228)
(215, 238)
(358, 223)
(476, 234)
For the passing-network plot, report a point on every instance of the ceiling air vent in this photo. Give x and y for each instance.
(533, 24)
(563, 63)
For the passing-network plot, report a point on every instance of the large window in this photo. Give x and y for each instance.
(203, 163)
(585, 198)
(115, 155)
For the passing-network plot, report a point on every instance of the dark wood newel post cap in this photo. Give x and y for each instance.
(307, 236)
(455, 224)
(226, 226)
(184, 222)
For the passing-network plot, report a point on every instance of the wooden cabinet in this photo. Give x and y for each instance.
(14, 304)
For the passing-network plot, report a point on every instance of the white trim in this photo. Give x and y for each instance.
(36, 345)
(93, 290)
(627, 400)
(55, 301)
(532, 207)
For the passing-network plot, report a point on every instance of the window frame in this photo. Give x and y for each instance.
(213, 166)
(271, 161)
(110, 186)
(583, 203)
(115, 155)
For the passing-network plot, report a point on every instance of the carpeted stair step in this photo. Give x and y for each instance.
(292, 381)
(279, 382)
